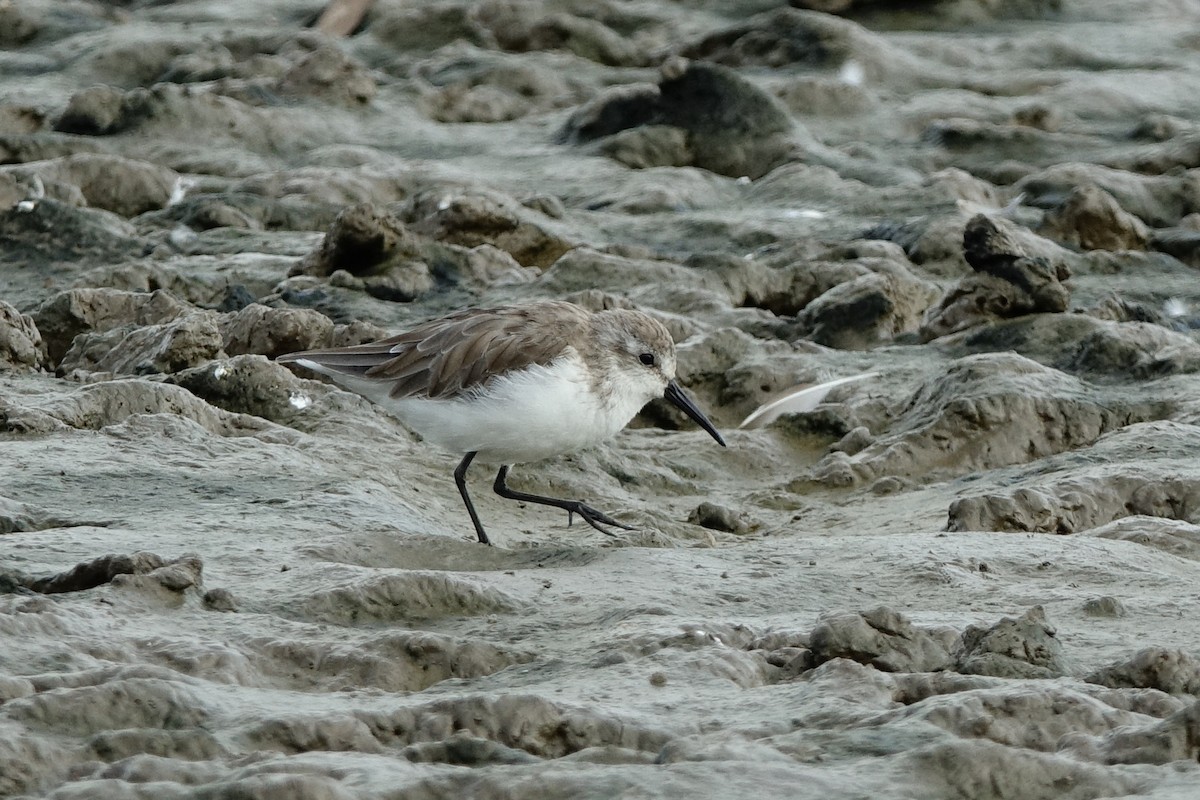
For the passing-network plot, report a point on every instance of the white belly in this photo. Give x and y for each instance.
(536, 413)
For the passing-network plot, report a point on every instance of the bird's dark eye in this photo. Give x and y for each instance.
(647, 359)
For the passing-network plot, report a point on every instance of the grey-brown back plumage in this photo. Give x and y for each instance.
(445, 357)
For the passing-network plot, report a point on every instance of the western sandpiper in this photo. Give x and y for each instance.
(515, 384)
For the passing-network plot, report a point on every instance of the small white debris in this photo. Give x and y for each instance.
(803, 213)
(743, 180)
(444, 203)
(851, 73)
(1176, 307)
(299, 400)
(220, 371)
(25, 206)
(180, 189)
(182, 237)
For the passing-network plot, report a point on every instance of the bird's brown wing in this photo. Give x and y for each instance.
(444, 357)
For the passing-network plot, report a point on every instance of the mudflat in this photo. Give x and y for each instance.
(971, 575)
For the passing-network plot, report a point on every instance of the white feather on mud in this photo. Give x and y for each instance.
(796, 400)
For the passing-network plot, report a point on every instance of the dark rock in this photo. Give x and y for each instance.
(220, 600)
(1009, 280)
(731, 127)
(236, 298)
(718, 518)
(871, 309)
(365, 239)
(1182, 243)
(95, 111)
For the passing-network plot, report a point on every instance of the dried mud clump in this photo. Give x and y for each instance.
(987, 411)
(1120, 483)
(172, 346)
(1010, 280)
(698, 114)
(1167, 670)
(20, 341)
(1025, 647)
(883, 638)
(71, 313)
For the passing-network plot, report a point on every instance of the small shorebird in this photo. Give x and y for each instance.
(514, 384)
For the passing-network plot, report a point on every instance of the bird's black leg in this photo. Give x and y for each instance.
(572, 507)
(460, 478)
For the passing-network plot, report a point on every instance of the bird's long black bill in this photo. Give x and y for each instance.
(676, 396)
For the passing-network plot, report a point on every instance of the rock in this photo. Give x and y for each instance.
(95, 111)
(68, 314)
(368, 241)
(1008, 281)
(1122, 479)
(472, 85)
(113, 403)
(411, 595)
(329, 75)
(180, 574)
(1171, 740)
(250, 384)
(172, 346)
(220, 600)
(989, 410)
(1167, 670)
(1106, 606)
(718, 518)
(648, 146)
(1173, 536)
(20, 343)
(523, 29)
(1158, 200)
(274, 331)
(1137, 351)
(1024, 647)
(115, 704)
(883, 638)
(870, 309)
(120, 185)
(191, 113)
(1084, 345)
(1091, 219)
(472, 219)
(57, 231)
(732, 128)
(91, 574)
(17, 25)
